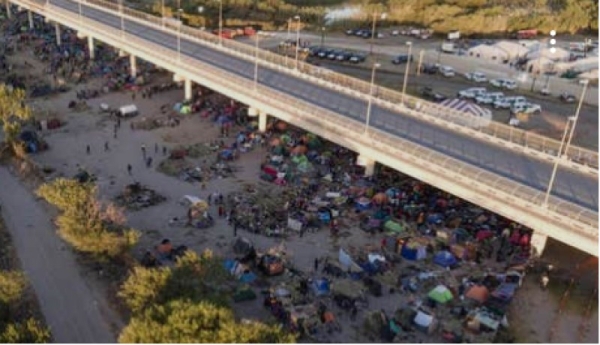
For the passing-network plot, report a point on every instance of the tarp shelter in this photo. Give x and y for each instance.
(320, 287)
(478, 293)
(363, 204)
(440, 294)
(413, 250)
(392, 226)
(475, 115)
(243, 246)
(488, 52)
(347, 262)
(445, 259)
(424, 321)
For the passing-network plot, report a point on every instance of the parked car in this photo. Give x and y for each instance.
(477, 77)
(447, 71)
(509, 102)
(333, 55)
(314, 50)
(489, 98)
(504, 83)
(428, 93)
(400, 59)
(343, 56)
(567, 98)
(323, 53)
(395, 32)
(430, 69)
(527, 108)
(358, 58)
(472, 92)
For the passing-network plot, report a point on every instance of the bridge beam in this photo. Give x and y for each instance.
(133, 65)
(252, 112)
(30, 19)
(58, 34)
(91, 47)
(368, 163)
(262, 121)
(538, 243)
(177, 78)
(122, 53)
(187, 89)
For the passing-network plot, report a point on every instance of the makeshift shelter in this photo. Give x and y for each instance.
(445, 259)
(414, 250)
(475, 115)
(320, 287)
(488, 52)
(478, 293)
(393, 227)
(347, 263)
(425, 322)
(440, 294)
(363, 204)
(244, 247)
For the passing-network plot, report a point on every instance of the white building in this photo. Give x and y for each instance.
(488, 52)
(513, 49)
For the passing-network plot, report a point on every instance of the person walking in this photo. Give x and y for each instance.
(235, 227)
(164, 150)
(88, 150)
(221, 211)
(106, 148)
(144, 151)
(316, 264)
(129, 169)
(149, 162)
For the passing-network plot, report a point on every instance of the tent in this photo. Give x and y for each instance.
(320, 287)
(424, 321)
(514, 50)
(363, 204)
(478, 293)
(413, 250)
(445, 259)
(392, 226)
(440, 294)
(488, 52)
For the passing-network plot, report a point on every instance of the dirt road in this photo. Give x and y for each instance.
(74, 312)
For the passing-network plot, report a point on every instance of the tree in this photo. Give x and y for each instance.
(183, 321)
(196, 278)
(87, 224)
(12, 285)
(12, 111)
(29, 331)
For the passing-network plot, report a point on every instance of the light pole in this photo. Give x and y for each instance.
(585, 85)
(409, 44)
(564, 144)
(287, 40)
(256, 63)
(220, 22)
(179, 11)
(383, 16)
(201, 11)
(297, 18)
(370, 103)
(322, 37)
(420, 62)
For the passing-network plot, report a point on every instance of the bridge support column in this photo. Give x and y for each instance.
(262, 121)
(30, 18)
(8, 8)
(538, 243)
(58, 37)
(252, 112)
(188, 89)
(368, 163)
(91, 47)
(133, 65)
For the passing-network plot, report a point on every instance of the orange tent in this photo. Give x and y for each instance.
(380, 198)
(299, 150)
(478, 293)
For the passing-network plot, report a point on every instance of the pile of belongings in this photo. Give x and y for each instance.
(135, 196)
(32, 142)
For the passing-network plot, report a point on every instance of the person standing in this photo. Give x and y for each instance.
(106, 148)
(144, 151)
(88, 149)
(316, 264)
(129, 169)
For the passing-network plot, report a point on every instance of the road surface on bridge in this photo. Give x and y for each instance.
(570, 186)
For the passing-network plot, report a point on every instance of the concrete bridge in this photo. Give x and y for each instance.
(497, 167)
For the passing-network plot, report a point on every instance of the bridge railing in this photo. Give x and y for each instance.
(391, 98)
(575, 217)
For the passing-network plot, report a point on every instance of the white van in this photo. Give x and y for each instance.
(128, 111)
(447, 71)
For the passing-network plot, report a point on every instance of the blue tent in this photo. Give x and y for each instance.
(435, 218)
(445, 259)
(320, 287)
(248, 277)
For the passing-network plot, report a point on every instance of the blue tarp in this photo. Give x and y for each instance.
(320, 287)
(445, 259)
(415, 253)
(505, 292)
(248, 277)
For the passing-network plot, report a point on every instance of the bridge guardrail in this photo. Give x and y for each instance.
(486, 182)
(534, 144)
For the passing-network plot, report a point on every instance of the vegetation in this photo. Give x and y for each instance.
(469, 16)
(12, 288)
(188, 304)
(185, 321)
(87, 224)
(13, 111)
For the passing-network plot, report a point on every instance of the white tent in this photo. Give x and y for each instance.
(590, 75)
(581, 65)
(559, 54)
(540, 65)
(475, 115)
(488, 52)
(513, 49)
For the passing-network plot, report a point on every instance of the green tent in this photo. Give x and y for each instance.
(392, 226)
(440, 294)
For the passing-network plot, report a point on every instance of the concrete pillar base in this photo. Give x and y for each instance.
(538, 244)
(30, 18)
(133, 65)
(253, 112)
(58, 34)
(91, 47)
(262, 122)
(368, 163)
(188, 90)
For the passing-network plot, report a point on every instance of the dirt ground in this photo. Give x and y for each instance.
(532, 311)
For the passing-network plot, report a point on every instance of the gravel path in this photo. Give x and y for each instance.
(73, 311)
